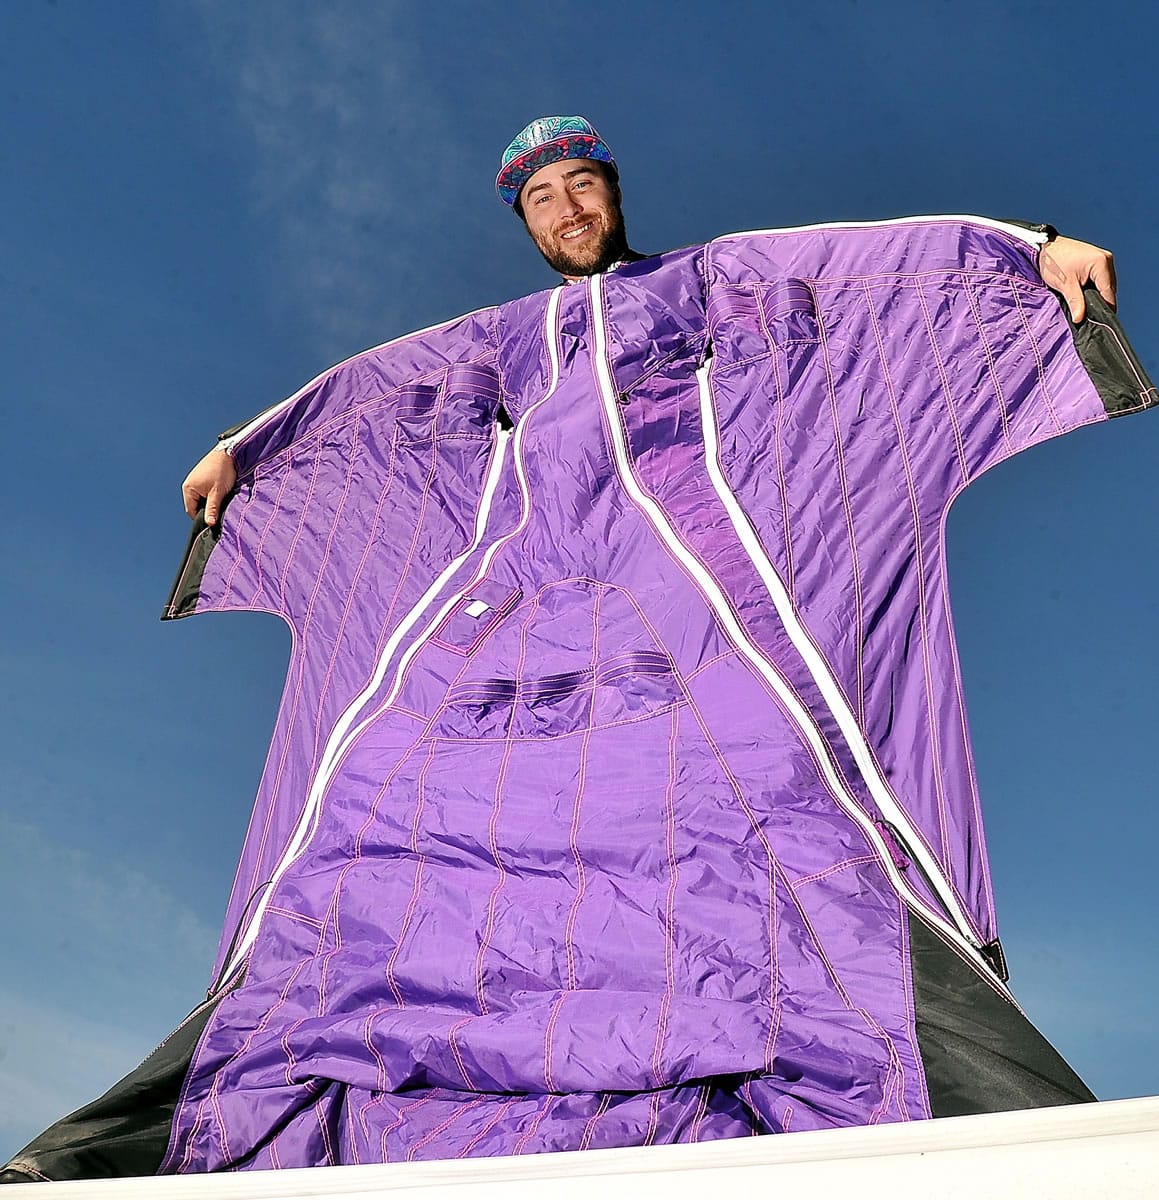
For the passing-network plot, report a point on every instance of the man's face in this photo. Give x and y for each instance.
(573, 214)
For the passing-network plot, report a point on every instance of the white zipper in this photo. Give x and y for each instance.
(1032, 237)
(958, 928)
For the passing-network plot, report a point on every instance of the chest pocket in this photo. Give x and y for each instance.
(575, 658)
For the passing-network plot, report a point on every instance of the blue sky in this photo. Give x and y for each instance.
(206, 202)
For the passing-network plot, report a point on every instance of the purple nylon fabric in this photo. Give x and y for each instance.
(569, 874)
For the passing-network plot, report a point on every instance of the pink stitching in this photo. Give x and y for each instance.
(669, 902)
(972, 299)
(398, 1122)
(698, 1117)
(558, 737)
(348, 607)
(293, 703)
(416, 886)
(373, 1100)
(741, 800)
(492, 824)
(833, 869)
(858, 632)
(731, 652)
(503, 1109)
(461, 1111)
(573, 836)
(1038, 361)
(590, 1127)
(782, 479)
(944, 380)
(290, 915)
(411, 385)
(549, 1102)
(548, 1037)
(331, 1159)
(453, 1042)
(906, 973)
(916, 514)
(653, 1119)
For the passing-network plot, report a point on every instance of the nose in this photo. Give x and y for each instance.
(571, 204)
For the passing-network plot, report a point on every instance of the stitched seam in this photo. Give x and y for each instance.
(503, 1110)
(416, 886)
(920, 574)
(1041, 370)
(945, 384)
(987, 349)
(832, 870)
(461, 1111)
(492, 824)
(858, 632)
(590, 1127)
(549, 1102)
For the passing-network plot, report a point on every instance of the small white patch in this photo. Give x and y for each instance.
(477, 608)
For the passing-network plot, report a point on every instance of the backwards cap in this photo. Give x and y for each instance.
(547, 140)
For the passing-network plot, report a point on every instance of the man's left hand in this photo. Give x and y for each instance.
(1065, 265)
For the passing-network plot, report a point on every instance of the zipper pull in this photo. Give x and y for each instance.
(893, 844)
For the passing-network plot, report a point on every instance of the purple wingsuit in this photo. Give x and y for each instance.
(621, 791)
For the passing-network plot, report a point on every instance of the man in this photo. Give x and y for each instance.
(562, 180)
(620, 792)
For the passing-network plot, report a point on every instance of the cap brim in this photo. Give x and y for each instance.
(513, 175)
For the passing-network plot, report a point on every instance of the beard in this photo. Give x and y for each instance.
(598, 253)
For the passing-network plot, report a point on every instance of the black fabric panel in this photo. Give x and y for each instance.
(126, 1131)
(980, 1053)
(1112, 364)
(186, 589)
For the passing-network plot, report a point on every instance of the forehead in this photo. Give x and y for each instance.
(558, 173)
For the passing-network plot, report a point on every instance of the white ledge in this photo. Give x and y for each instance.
(1109, 1149)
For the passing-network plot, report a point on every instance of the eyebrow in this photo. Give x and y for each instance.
(583, 170)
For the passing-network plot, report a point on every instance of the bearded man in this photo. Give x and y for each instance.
(653, 822)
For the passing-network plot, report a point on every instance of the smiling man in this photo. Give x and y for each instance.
(653, 822)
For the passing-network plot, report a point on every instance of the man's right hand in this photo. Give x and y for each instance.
(211, 480)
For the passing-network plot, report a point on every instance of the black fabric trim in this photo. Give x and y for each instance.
(186, 589)
(126, 1131)
(980, 1053)
(1114, 367)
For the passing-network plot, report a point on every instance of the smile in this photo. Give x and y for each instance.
(574, 233)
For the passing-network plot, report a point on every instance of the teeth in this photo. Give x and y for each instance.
(576, 232)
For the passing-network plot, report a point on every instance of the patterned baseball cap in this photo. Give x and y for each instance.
(547, 140)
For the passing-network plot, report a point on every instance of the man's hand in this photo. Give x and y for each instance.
(211, 480)
(1066, 265)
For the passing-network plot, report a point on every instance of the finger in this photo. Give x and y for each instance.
(192, 500)
(1073, 295)
(213, 504)
(1103, 277)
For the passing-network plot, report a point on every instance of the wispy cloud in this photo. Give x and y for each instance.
(115, 961)
(329, 103)
(53, 1059)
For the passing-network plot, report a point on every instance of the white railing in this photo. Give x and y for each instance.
(1075, 1153)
